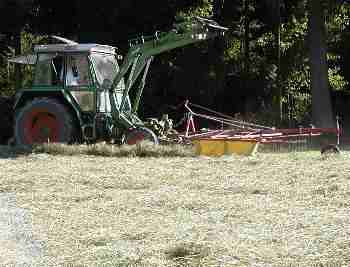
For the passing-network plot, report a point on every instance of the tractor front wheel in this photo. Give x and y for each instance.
(44, 120)
(138, 135)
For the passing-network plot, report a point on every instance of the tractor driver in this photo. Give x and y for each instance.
(72, 75)
(77, 71)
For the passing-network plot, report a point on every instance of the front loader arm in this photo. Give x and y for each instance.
(144, 48)
(196, 30)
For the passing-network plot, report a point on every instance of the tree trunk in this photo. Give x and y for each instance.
(277, 35)
(18, 68)
(246, 44)
(218, 50)
(246, 51)
(322, 115)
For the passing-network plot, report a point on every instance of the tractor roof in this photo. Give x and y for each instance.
(30, 59)
(69, 48)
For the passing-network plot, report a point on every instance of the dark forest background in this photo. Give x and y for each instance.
(282, 62)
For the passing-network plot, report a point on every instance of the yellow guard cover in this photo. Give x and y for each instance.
(216, 147)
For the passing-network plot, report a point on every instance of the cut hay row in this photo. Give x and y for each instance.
(143, 149)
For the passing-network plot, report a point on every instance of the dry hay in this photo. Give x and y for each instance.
(267, 210)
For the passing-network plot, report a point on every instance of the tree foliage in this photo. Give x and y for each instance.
(242, 72)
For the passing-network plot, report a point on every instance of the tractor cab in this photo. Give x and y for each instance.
(84, 71)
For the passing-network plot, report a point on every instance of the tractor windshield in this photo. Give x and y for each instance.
(106, 67)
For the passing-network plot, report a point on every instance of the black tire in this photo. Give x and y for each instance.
(330, 149)
(6, 125)
(44, 120)
(138, 135)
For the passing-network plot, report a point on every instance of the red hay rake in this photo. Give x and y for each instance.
(231, 129)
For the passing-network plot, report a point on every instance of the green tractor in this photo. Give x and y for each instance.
(81, 94)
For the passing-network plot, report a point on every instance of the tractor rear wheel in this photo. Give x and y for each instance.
(44, 120)
(138, 135)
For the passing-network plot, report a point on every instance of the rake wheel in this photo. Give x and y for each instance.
(138, 135)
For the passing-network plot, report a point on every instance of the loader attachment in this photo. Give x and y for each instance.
(143, 49)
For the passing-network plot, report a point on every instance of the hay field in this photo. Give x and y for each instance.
(287, 209)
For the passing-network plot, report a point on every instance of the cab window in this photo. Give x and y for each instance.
(48, 69)
(78, 71)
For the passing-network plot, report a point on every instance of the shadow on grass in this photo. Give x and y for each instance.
(8, 152)
(187, 254)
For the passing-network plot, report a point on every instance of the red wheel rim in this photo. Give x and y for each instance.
(41, 126)
(135, 138)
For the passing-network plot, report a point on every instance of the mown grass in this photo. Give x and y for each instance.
(280, 209)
